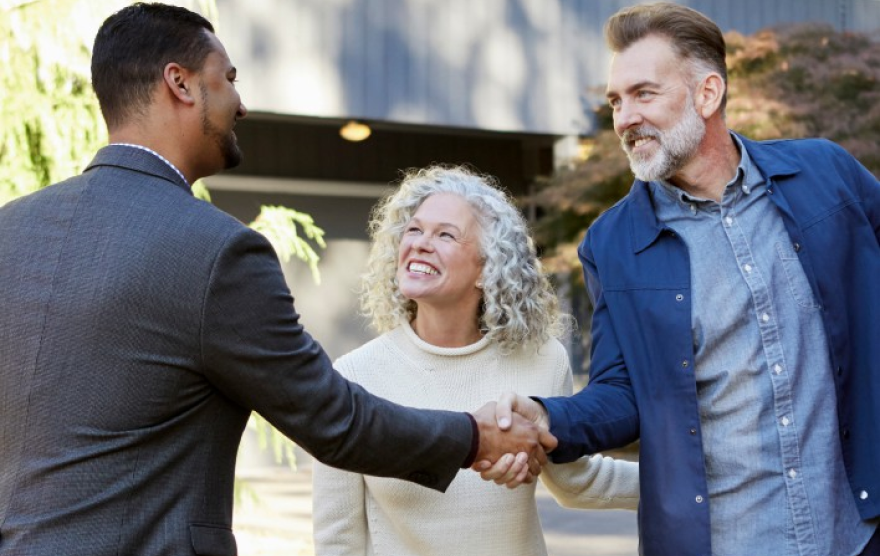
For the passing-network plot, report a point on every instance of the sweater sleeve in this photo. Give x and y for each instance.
(339, 517)
(339, 520)
(594, 482)
(590, 482)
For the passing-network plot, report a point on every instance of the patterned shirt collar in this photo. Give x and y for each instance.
(154, 153)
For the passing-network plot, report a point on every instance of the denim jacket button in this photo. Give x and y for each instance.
(679, 297)
(797, 247)
(699, 498)
(863, 495)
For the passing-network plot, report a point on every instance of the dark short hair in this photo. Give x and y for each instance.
(132, 48)
(693, 36)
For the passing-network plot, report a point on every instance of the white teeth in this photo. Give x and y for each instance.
(641, 141)
(422, 268)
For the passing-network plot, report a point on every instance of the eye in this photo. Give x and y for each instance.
(614, 102)
(643, 94)
(411, 230)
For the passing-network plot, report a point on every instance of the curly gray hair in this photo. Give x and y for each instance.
(519, 307)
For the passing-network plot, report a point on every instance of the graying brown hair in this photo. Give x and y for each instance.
(693, 36)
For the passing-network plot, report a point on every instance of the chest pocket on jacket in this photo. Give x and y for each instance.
(798, 284)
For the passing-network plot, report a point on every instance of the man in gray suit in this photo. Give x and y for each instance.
(140, 326)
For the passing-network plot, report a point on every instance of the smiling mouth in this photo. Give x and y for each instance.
(421, 268)
(635, 139)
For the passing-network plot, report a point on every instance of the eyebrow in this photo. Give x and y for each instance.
(634, 87)
(439, 224)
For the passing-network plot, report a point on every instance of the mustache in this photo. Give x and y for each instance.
(640, 132)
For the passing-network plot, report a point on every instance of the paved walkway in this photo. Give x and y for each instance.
(274, 518)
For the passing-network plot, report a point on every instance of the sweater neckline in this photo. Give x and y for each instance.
(479, 345)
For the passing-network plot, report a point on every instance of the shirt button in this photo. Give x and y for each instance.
(797, 247)
(863, 495)
(699, 498)
(729, 221)
(693, 207)
(785, 421)
(765, 317)
(747, 268)
(792, 473)
(777, 368)
(745, 188)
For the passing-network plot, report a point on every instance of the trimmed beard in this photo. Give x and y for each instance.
(676, 146)
(226, 142)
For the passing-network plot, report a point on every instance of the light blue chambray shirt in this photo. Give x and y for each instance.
(777, 484)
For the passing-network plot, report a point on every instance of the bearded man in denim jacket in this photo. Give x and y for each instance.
(736, 294)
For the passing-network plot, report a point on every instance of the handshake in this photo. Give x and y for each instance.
(514, 440)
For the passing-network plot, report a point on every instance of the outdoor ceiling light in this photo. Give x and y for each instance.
(355, 131)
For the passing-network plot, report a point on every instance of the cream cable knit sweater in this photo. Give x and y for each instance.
(361, 515)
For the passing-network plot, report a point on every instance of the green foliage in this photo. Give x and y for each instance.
(280, 225)
(269, 438)
(49, 117)
(200, 191)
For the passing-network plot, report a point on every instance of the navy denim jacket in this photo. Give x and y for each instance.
(641, 380)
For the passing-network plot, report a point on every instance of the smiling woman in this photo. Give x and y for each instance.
(456, 288)
(440, 268)
(439, 212)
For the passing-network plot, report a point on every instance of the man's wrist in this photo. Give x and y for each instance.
(544, 413)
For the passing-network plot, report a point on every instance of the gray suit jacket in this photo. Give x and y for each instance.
(139, 327)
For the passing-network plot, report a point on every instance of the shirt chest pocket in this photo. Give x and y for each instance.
(798, 285)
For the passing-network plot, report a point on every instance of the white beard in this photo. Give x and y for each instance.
(676, 146)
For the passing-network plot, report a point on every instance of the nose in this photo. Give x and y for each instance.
(626, 115)
(242, 111)
(423, 242)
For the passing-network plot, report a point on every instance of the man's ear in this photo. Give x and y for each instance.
(179, 82)
(710, 92)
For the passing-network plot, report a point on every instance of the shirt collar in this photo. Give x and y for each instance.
(154, 153)
(746, 174)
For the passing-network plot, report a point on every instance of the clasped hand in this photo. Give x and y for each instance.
(514, 440)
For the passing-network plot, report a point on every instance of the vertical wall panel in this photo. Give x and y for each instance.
(506, 65)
